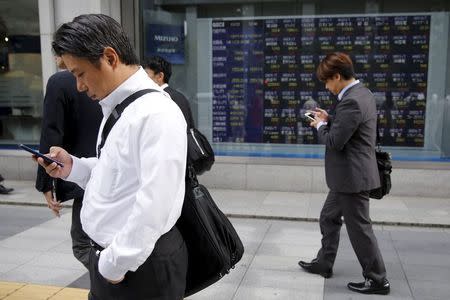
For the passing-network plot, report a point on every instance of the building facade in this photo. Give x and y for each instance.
(248, 70)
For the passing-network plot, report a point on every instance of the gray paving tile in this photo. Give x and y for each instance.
(293, 236)
(81, 282)
(64, 247)
(425, 272)
(412, 228)
(17, 256)
(269, 293)
(37, 244)
(430, 290)
(300, 281)
(429, 259)
(16, 219)
(250, 231)
(288, 250)
(56, 260)
(417, 236)
(42, 275)
(348, 254)
(299, 200)
(5, 267)
(425, 247)
(303, 226)
(277, 263)
(218, 291)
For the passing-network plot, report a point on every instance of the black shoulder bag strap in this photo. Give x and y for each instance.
(116, 113)
(378, 135)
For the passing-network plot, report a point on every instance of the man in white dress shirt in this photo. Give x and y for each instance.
(134, 190)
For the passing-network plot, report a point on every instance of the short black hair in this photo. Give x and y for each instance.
(158, 64)
(88, 35)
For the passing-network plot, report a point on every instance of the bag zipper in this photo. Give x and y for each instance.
(198, 145)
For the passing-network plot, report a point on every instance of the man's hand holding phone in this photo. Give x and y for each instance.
(317, 116)
(53, 169)
(321, 114)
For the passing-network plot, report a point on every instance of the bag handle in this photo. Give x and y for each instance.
(378, 146)
(191, 175)
(116, 113)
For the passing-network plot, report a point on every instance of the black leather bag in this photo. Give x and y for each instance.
(384, 169)
(200, 152)
(214, 247)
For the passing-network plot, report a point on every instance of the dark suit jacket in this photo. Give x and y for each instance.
(70, 120)
(350, 138)
(183, 104)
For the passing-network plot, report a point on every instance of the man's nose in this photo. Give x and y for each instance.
(81, 87)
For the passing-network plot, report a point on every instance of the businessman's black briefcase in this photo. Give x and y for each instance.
(214, 246)
(384, 169)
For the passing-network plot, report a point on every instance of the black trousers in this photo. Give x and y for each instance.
(80, 240)
(355, 210)
(161, 277)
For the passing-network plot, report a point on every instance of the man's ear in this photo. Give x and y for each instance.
(161, 76)
(111, 57)
(337, 76)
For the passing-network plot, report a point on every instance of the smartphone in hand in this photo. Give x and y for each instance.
(310, 116)
(47, 159)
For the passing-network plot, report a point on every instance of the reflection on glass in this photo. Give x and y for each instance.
(20, 72)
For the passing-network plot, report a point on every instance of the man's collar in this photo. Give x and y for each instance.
(125, 89)
(164, 86)
(341, 94)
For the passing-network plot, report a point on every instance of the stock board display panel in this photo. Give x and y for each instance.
(264, 75)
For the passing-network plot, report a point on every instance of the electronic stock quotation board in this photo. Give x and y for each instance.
(263, 75)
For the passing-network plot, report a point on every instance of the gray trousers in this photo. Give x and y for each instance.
(80, 240)
(355, 210)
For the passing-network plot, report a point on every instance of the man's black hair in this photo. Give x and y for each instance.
(88, 35)
(158, 64)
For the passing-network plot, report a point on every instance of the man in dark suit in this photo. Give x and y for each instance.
(160, 71)
(70, 120)
(351, 172)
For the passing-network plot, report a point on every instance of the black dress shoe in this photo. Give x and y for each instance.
(4, 190)
(316, 268)
(370, 287)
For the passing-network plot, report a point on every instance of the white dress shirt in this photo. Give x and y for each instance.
(134, 192)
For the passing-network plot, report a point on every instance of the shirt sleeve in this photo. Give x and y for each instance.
(321, 123)
(81, 170)
(161, 143)
(345, 122)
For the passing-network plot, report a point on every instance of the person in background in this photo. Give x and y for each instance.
(71, 120)
(4, 190)
(351, 172)
(134, 189)
(160, 71)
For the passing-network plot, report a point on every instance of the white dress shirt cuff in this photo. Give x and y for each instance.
(320, 124)
(109, 270)
(81, 170)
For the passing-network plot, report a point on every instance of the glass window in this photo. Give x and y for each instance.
(20, 72)
(249, 70)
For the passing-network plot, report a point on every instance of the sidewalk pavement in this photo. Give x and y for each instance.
(36, 260)
(391, 210)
